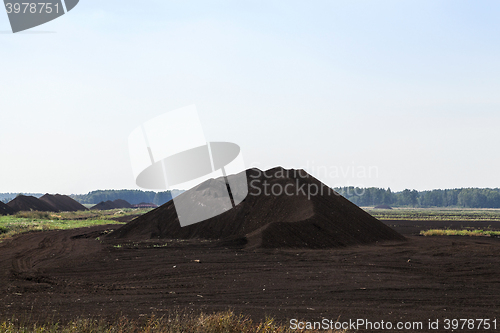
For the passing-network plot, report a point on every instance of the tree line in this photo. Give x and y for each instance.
(463, 197)
(372, 196)
(134, 197)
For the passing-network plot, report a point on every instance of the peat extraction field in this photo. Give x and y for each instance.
(87, 273)
(68, 274)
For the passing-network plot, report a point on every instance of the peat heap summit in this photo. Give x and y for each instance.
(107, 205)
(283, 208)
(28, 203)
(63, 203)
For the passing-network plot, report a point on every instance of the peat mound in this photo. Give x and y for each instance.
(6, 210)
(283, 209)
(104, 205)
(107, 205)
(119, 203)
(29, 203)
(62, 203)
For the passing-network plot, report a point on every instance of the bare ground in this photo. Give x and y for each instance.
(66, 274)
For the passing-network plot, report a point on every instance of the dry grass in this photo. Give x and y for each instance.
(30, 221)
(11, 226)
(223, 322)
(451, 232)
(33, 215)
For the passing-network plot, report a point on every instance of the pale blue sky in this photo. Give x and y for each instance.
(410, 88)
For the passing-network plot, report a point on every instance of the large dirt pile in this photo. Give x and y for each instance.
(28, 203)
(284, 208)
(62, 203)
(107, 205)
(6, 210)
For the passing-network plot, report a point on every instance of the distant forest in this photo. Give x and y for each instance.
(134, 197)
(464, 197)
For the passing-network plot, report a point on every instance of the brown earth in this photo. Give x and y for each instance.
(65, 274)
(62, 203)
(29, 203)
(6, 210)
(268, 219)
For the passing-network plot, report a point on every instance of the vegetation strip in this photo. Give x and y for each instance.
(451, 232)
(226, 322)
(22, 222)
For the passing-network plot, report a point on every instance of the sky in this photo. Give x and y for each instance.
(399, 94)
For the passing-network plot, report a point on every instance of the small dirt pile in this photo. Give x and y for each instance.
(284, 208)
(28, 203)
(6, 210)
(119, 203)
(107, 205)
(62, 203)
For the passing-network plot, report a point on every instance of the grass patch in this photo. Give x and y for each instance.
(34, 215)
(96, 214)
(451, 232)
(10, 227)
(31, 221)
(223, 322)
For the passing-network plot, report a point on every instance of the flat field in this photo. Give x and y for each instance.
(65, 274)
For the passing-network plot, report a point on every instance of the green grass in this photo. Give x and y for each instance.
(23, 222)
(222, 322)
(452, 232)
(10, 227)
(438, 214)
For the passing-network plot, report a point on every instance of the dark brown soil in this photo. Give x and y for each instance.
(65, 274)
(107, 205)
(6, 210)
(266, 220)
(63, 203)
(29, 203)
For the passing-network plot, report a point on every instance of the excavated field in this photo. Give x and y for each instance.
(68, 274)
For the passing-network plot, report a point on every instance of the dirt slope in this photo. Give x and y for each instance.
(62, 203)
(28, 203)
(313, 216)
